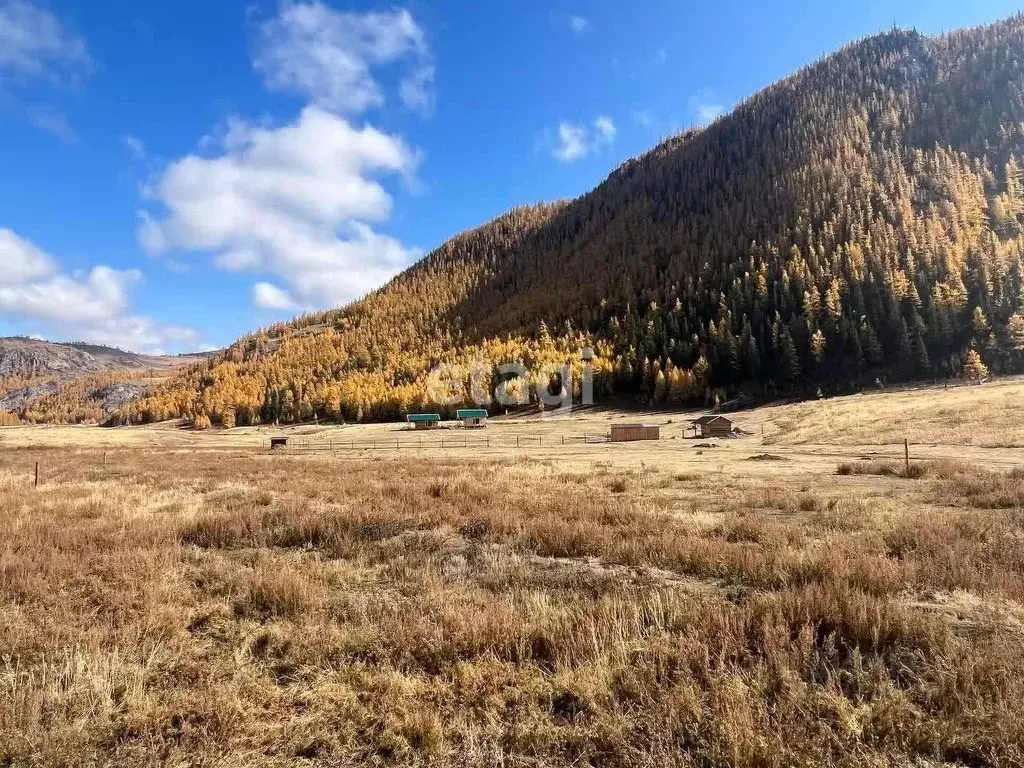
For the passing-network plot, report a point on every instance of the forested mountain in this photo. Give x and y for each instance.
(71, 383)
(862, 218)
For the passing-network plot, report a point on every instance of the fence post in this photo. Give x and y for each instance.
(563, 439)
(517, 441)
(906, 455)
(37, 474)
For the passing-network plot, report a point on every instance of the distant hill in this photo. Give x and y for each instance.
(862, 218)
(75, 382)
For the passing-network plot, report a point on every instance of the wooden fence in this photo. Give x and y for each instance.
(445, 442)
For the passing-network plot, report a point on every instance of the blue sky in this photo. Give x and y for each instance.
(176, 174)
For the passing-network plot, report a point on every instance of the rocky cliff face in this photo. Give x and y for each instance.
(29, 358)
(78, 382)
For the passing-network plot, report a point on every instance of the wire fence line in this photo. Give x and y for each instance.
(413, 442)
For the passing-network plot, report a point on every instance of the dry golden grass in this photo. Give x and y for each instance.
(235, 609)
(990, 415)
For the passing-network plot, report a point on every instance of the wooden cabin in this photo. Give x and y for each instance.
(472, 418)
(623, 433)
(424, 420)
(713, 426)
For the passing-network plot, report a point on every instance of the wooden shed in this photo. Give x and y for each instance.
(712, 426)
(622, 433)
(472, 418)
(424, 420)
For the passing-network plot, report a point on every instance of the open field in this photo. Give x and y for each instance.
(988, 416)
(980, 424)
(171, 598)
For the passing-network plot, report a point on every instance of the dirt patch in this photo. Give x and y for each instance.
(767, 457)
(630, 574)
(969, 613)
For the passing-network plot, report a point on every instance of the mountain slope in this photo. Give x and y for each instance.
(862, 218)
(45, 381)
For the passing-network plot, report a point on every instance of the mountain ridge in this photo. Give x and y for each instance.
(861, 218)
(91, 380)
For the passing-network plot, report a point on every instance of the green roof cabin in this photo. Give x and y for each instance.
(424, 420)
(472, 418)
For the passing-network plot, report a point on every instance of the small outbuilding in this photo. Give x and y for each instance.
(277, 443)
(713, 426)
(623, 433)
(472, 418)
(424, 420)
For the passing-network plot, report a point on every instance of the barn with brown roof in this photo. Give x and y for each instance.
(714, 425)
(625, 433)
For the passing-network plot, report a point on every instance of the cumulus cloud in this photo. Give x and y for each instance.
(328, 55)
(92, 306)
(296, 201)
(268, 296)
(576, 141)
(22, 260)
(301, 202)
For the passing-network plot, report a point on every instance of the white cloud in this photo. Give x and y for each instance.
(705, 107)
(295, 201)
(707, 113)
(605, 129)
(35, 44)
(92, 306)
(268, 296)
(576, 141)
(22, 261)
(417, 89)
(149, 233)
(134, 145)
(52, 121)
(572, 142)
(35, 47)
(578, 24)
(643, 117)
(327, 55)
(299, 201)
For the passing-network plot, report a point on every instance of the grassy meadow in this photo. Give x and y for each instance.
(235, 608)
(989, 416)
